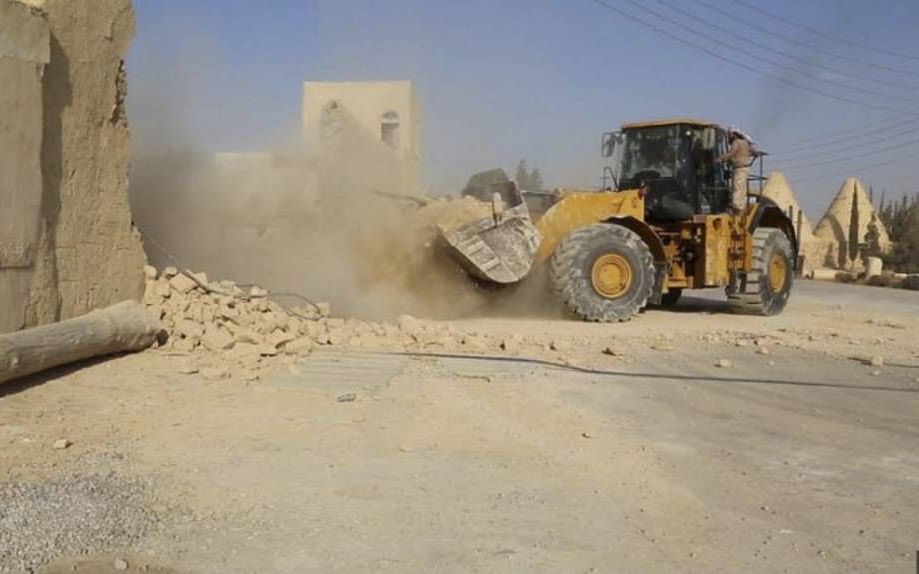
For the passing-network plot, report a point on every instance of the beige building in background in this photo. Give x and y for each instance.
(380, 121)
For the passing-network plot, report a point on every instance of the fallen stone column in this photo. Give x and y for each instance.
(123, 327)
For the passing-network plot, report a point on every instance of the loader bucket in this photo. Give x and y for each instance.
(499, 248)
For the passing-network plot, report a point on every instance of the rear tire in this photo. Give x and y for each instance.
(769, 281)
(603, 273)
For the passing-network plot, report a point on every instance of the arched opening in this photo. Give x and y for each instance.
(389, 129)
(329, 121)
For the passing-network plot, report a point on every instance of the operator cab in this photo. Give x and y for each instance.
(676, 161)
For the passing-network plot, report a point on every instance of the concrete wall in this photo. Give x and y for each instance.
(83, 250)
(369, 105)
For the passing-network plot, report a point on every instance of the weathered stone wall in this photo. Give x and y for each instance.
(87, 253)
(24, 52)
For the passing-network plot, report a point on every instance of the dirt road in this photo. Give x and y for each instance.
(696, 442)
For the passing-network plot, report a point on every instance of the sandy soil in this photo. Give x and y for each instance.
(796, 455)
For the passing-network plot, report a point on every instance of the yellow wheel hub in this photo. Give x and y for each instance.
(611, 275)
(778, 270)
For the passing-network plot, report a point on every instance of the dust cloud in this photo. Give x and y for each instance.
(298, 221)
(329, 224)
(289, 218)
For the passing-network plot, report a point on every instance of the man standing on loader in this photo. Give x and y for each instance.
(741, 155)
(610, 253)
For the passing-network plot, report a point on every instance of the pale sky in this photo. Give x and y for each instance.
(500, 80)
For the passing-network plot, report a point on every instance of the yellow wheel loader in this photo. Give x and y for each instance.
(661, 223)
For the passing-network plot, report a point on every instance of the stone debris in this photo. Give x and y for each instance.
(182, 283)
(347, 398)
(876, 361)
(215, 373)
(724, 364)
(239, 325)
(61, 444)
(512, 343)
(559, 345)
(120, 564)
(187, 368)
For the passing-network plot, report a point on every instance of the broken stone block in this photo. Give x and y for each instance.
(150, 271)
(195, 313)
(189, 329)
(301, 346)
(409, 324)
(183, 345)
(294, 325)
(170, 272)
(177, 304)
(339, 337)
(187, 368)
(156, 310)
(249, 336)
(267, 350)
(217, 339)
(228, 312)
(215, 373)
(246, 355)
(162, 289)
(278, 338)
(182, 283)
(61, 444)
(151, 297)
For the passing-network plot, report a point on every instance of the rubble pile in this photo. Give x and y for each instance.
(453, 213)
(243, 325)
(225, 330)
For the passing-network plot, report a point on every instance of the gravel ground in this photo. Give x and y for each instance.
(68, 516)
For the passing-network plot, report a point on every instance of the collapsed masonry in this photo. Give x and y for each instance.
(67, 244)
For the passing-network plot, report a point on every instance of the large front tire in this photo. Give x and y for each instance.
(603, 273)
(768, 283)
